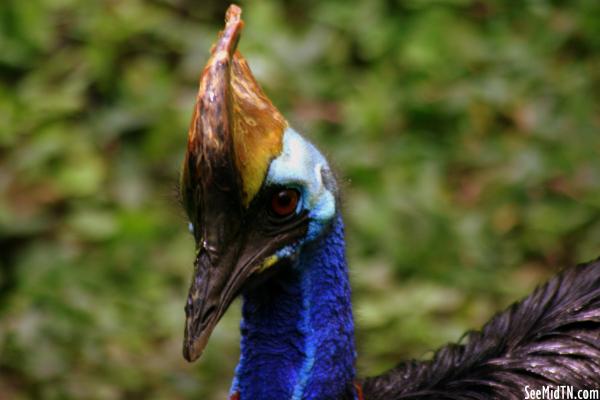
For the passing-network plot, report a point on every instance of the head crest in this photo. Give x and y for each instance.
(235, 129)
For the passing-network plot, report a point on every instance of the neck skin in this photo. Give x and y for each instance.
(297, 328)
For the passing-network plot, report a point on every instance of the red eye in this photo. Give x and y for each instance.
(284, 202)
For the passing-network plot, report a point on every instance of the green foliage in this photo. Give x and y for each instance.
(466, 133)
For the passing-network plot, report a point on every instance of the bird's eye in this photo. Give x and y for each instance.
(284, 202)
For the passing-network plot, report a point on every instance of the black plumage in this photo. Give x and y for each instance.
(550, 338)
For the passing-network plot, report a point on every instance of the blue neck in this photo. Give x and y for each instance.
(297, 328)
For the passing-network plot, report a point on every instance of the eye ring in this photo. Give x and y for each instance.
(284, 202)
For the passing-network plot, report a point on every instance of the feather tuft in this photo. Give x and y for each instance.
(551, 338)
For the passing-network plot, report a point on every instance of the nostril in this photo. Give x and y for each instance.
(211, 310)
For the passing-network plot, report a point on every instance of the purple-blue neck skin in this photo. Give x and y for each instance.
(297, 326)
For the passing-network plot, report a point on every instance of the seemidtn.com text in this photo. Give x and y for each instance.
(560, 392)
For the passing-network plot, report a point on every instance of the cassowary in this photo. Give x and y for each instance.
(264, 210)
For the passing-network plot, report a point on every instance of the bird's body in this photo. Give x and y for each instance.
(264, 208)
(551, 338)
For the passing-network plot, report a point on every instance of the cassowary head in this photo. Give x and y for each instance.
(254, 190)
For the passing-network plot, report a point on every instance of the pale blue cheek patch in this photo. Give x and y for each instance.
(301, 165)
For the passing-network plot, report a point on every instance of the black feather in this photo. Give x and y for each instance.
(552, 337)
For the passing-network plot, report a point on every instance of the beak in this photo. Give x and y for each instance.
(213, 288)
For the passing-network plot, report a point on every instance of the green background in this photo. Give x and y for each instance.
(467, 134)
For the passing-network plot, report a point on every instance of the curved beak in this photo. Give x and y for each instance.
(215, 285)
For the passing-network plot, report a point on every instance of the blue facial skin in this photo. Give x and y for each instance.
(303, 167)
(297, 328)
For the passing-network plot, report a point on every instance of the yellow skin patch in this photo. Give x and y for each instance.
(268, 263)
